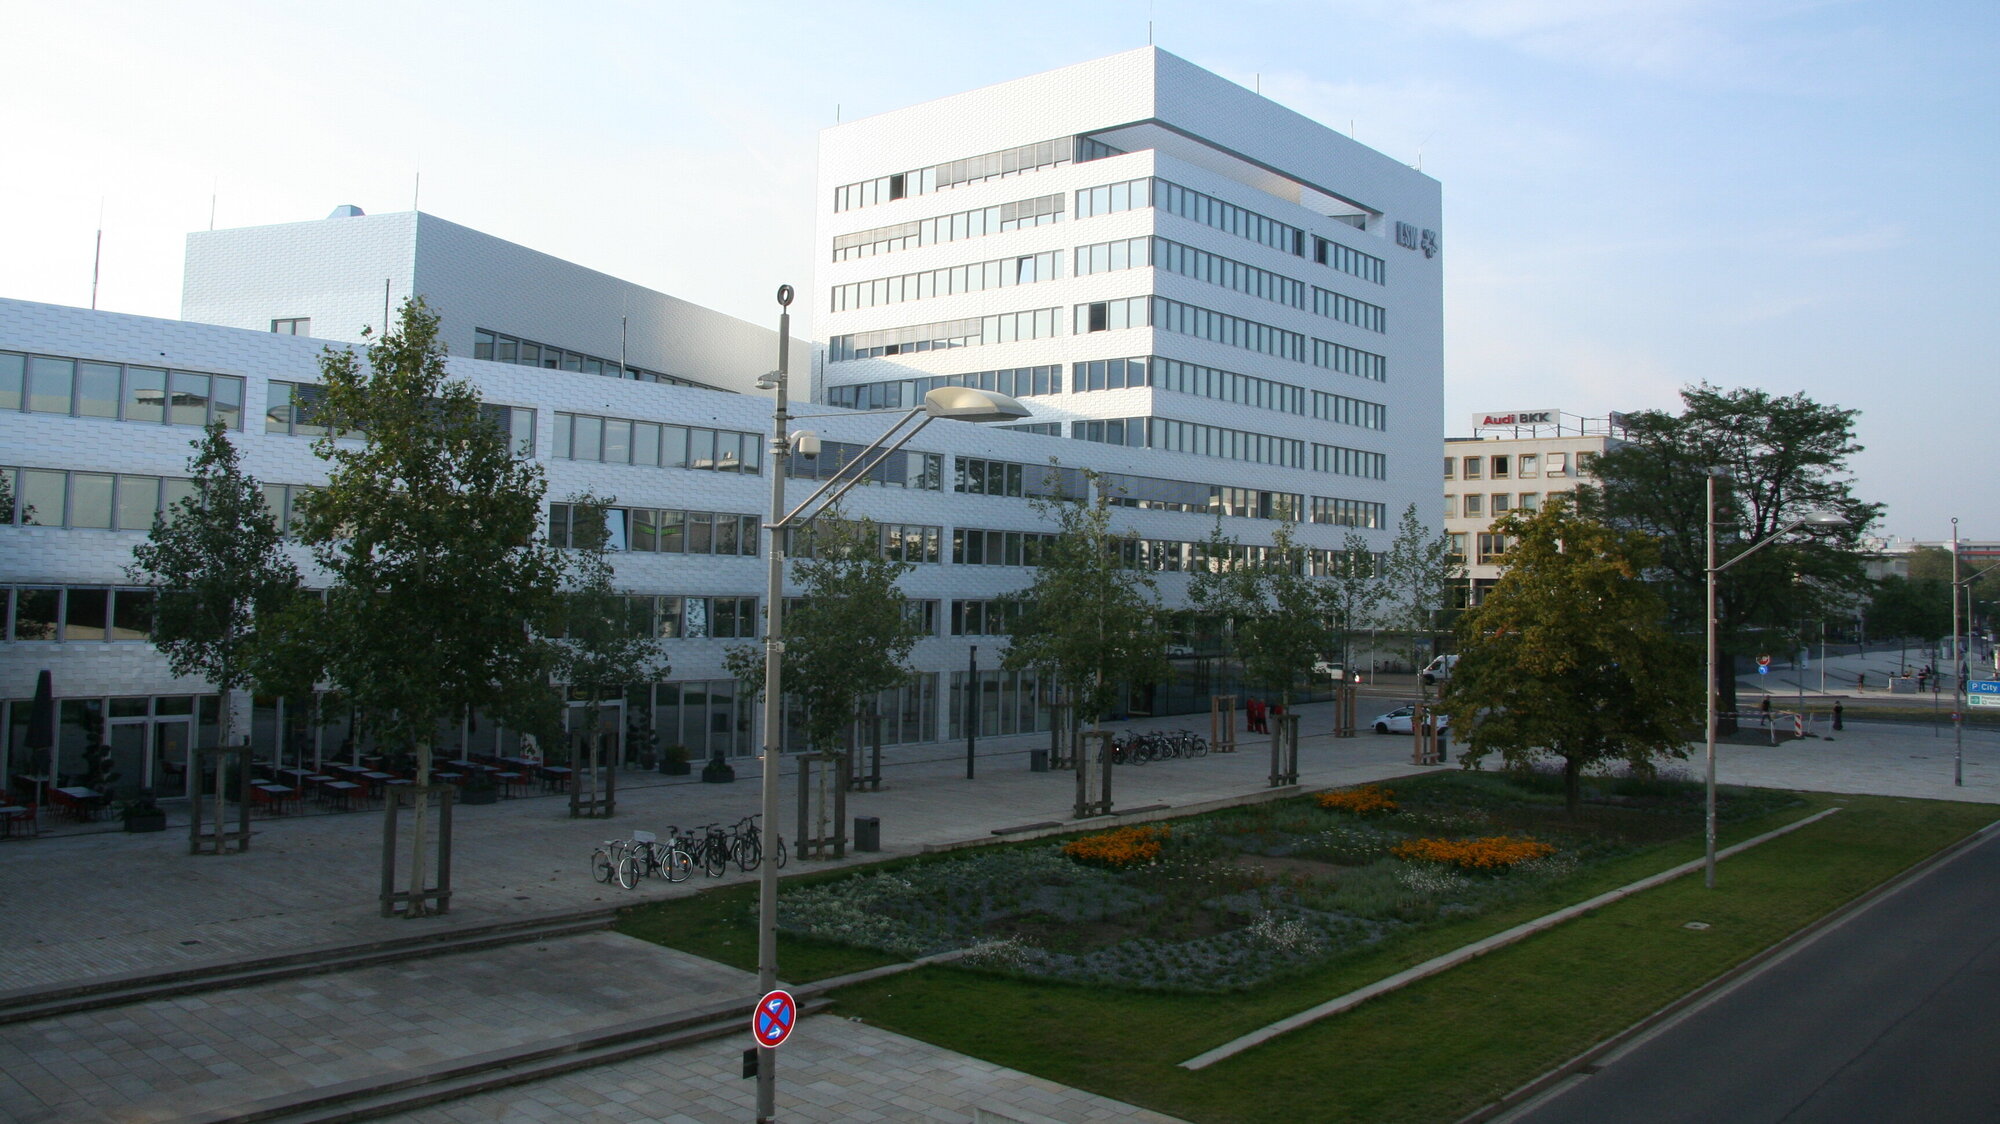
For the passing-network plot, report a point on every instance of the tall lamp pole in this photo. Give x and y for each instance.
(1960, 586)
(958, 403)
(1813, 519)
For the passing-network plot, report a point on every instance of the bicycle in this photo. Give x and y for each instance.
(646, 856)
(605, 858)
(747, 846)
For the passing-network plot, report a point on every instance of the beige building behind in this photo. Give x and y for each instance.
(1514, 459)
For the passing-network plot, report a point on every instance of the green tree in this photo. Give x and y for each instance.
(1777, 458)
(604, 650)
(1568, 654)
(1907, 607)
(1280, 612)
(1089, 623)
(217, 567)
(1355, 589)
(847, 636)
(429, 526)
(1422, 575)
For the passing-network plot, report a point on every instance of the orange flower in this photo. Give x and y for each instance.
(1126, 846)
(1361, 801)
(1498, 852)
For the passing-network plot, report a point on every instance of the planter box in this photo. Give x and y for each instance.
(485, 795)
(676, 768)
(155, 822)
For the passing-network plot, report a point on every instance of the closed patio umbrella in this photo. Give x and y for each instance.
(42, 727)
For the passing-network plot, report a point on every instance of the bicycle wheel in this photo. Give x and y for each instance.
(746, 853)
(679, 866)
(630, 871)
(1200, 745)
(715, 857)
(784, 855)
(600, 865)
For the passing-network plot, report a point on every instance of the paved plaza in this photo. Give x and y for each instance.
(83, 906)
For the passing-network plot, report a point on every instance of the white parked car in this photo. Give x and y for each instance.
(1397, 721)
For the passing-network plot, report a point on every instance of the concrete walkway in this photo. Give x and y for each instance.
(86, 906)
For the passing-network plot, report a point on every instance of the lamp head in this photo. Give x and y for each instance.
(969, 403)
(1824, 519)
(769, 380)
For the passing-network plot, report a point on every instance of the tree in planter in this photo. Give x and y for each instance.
(605, 649)
(1354, 588)
(443, 585)
(1421, 576)
(1280, 612)
(1779, 457)
(1090, 621)
(1906, 607)
(847, 637)
(217, 567)
(1569, 653)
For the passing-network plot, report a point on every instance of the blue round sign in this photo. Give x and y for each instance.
(774, 1017)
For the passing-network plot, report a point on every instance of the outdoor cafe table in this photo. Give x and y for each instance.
(554, 777)
(339, 792)
(272, 794)
(81, 803)
(7, 814)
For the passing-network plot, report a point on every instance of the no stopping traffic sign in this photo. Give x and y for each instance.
(771, 1023)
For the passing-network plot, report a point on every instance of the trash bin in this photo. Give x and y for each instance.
(867, 833)
(1038, 761)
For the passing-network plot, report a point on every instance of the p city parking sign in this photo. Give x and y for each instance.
(1982, 693)
(772, 1022)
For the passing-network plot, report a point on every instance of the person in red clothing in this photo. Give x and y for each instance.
(1255, 710)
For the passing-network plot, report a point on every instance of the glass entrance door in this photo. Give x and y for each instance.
(150, 753)
(610, 723)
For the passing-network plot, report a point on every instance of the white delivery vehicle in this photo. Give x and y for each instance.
(1439, 669)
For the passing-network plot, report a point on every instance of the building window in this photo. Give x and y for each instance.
(1016, 382)
(1474, 468)
(1558, 464)
(1529, 501)
(1031, 324)
(1450, 505)
(45, 384)
(295, 326)
(76, 614)
(1475, 505)
(980, 276)
(1018, 215)
(1530, 465)
(101, 501)
(587, 437)
(1451, 468)
(1501, 466)
(1491, 547)
(1500, 503)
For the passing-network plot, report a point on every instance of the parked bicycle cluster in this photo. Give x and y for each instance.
(1141, 746)
(710, 848)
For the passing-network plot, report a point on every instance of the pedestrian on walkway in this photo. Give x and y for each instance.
(1836, 714)
(1860, 681)
(1765, 708)
(1254, 711)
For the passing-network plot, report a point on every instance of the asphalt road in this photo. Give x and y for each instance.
(1892, 1015)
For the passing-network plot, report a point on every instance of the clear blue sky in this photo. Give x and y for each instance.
(1638, 195)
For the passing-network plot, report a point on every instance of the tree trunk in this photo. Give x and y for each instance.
(419, 823)
(225, 730)
(1572, 785)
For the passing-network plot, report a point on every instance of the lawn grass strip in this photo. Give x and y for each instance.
(1477, 948)
(1687, 1005)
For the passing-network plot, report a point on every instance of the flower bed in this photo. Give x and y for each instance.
(1127, 846)
(1364, 801)
(1493, 853)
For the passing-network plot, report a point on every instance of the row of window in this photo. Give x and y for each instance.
(1349, 513)
(1342, 461)
(976, 331)
(1496, 504)
(896, 394)
(1154, 494)
(901, 469)
(977, 223)
(694, 618)
(920, 543)
(1192, 437)
(970, 169)
(992, 617)
(1527, 466)
(971, 546)
(1195, 206)
(83, 388)
(1347, 310)
(104, 501)
(662, 531)
(588, 437)
(950, 281)
(502, 348)
(76, 613)
(294, 409)
(1350, 361)
(1009, 478)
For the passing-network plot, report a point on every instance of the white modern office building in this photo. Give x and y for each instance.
(1227, 311)
(1515, 459)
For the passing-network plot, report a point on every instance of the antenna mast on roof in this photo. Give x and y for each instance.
(97, 256)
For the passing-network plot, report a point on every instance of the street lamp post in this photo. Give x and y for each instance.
(1959, 699)
(1814, 519)
(958, 403)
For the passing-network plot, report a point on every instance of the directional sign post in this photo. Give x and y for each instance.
(772, 1022)
(1763, 665)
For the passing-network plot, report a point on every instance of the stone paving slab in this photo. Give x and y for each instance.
(165, 1059)
(831, 1070)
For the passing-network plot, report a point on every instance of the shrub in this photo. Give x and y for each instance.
(1366, 800)
(1126, 846)
(1495, 853)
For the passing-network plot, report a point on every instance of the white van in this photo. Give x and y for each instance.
(1439, 669)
